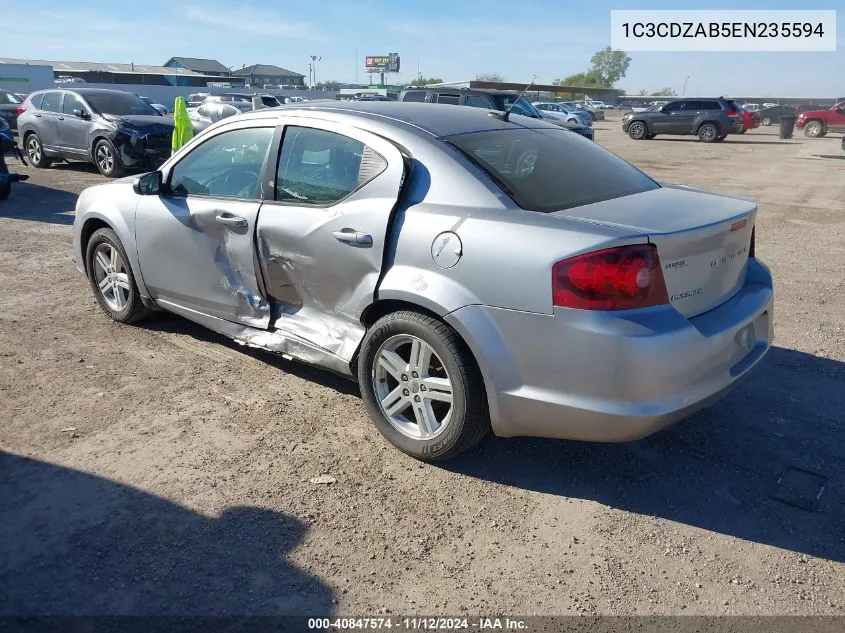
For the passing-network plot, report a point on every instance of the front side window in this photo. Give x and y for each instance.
(52, 102)
(477, 101)
(675, 106)
(319, 168)
(520, 104)
(228, 165)
(550, 170)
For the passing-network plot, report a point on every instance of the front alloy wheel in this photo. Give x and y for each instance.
(814, 129)
(637, 131)
(106, 159)
(111, 278)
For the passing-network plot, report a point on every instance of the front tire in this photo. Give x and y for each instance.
(35, 151)
(422, 387)
(111, 278)
(637, 130)
(814, 129)
(107, 160)
(766, 122)
(708, 133)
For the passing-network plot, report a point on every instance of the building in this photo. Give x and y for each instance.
(116, 73)
(267, 74)
(538, 92)
(210, 67)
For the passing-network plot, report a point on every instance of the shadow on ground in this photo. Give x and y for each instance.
(72, 543)
(29, 201)
(715, 471)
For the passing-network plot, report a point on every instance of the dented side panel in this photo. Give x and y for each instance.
(319, 282)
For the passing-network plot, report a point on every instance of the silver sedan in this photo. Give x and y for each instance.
(473, 271)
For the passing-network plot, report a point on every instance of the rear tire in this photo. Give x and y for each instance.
(708, 133)
(428, 423)
(637, 130)
(35, 151)
(766, 122)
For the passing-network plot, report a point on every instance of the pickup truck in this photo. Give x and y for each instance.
(817, 123)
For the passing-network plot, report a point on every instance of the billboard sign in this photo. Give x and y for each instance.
(382, 63)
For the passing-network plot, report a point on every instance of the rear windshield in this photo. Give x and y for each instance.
(551, 169)
(119, 104)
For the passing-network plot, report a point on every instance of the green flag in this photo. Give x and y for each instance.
(184, 129)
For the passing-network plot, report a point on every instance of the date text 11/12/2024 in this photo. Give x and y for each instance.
(417, 624)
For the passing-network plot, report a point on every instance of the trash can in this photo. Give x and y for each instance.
(787, 125)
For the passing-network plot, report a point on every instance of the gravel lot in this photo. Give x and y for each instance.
(162, 470)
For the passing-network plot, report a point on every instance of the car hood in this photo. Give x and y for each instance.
(145, 123)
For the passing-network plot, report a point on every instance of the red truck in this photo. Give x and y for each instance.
(750, 120)
(817, 123)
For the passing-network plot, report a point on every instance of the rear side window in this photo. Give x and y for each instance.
(712, 105)
(450, 99)
(477, 101)
(550, 170)
(693, 106)
(52, 102)
(35, 100)
(414, 96)
(320, 168)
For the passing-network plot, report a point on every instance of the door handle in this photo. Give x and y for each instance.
(38, 115)
(61, 118)
(351, 236)
(231, 220)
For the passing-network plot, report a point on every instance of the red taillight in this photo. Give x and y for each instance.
(751, 247)
(21, 109)
(732, 113)
(619, 278)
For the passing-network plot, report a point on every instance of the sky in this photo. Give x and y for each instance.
(455, 40)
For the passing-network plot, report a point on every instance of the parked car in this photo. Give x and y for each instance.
(196, 99)
(213, 111)
(596, 113)
(769, 105)
(571, 115)
(490, 99)
(709, 119)
(817, 123)
(113, 129)
(368, 239)
(64, 79)
(772, 114)
(750, 120)
(9, 105)
(751, 107)
(159, 107)
(269, 101)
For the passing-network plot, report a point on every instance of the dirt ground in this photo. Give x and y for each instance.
(159, 469)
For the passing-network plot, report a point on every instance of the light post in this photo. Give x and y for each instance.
(684, 92)
(313, 69)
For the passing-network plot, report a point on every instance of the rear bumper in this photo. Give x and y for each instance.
(613, 377)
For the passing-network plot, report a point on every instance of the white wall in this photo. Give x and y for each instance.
(25, 78)
(167, 94)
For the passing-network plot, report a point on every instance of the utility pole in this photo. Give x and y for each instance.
(314, 59)
(356, 66)
(684, 92)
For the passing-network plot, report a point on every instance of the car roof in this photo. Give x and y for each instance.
(436, 119)
(88, 91)
(489, 91)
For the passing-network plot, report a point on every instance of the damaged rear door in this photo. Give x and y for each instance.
(196, 240)
(321, 240)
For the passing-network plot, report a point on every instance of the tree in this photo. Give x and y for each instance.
(331, 84)
(664, 92)
(609, 66)
(490, 77)
(424, 81)
(643, 93)
(587, 79)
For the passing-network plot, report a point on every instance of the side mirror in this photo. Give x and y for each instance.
(79, 113)
(149, 184)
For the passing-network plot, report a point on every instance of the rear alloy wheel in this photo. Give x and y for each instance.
(637, 130)
(766, 121)
(35, 151)
(708, 133)
(814, 129)
(106, 159)
(421, 386)
(111, 278)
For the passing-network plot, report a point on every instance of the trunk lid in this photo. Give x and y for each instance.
(702, 239)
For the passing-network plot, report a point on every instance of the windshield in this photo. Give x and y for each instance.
(119, 104)
(8, 97)
(522, 106)
(550, 170)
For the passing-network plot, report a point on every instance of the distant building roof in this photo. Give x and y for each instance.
(266, 70)
(199, 65)
(96, 67)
